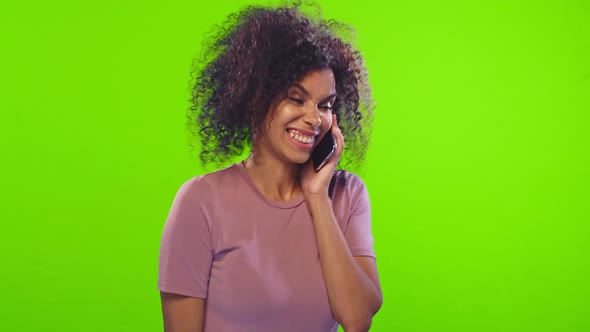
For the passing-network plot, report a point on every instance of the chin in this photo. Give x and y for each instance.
(297, 158)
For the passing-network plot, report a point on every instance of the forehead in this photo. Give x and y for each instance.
(318, 82)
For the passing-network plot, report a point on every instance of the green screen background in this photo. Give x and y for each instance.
(478, 170)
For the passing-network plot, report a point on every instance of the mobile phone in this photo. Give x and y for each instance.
(323, 151)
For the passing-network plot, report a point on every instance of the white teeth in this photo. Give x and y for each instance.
(300, 137)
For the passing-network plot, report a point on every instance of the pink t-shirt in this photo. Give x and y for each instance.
(255, 260)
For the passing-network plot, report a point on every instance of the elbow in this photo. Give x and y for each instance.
(363, 322)
(360, 325)
(377, 304)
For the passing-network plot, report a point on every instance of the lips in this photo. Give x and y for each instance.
(304, 132)
(301, 137)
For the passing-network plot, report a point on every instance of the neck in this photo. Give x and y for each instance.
(274, 179)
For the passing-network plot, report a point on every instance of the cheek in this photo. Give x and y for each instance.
(326, 121)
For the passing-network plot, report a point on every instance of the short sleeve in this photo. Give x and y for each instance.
(185, 249)
(358, 232)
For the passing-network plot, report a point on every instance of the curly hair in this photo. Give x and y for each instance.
(252, 59)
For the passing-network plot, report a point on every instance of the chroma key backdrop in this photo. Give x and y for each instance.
(477, 169)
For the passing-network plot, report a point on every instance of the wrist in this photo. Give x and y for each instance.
(316, 196)
(317, 200)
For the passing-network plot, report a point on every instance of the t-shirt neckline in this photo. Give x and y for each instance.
(277, 204)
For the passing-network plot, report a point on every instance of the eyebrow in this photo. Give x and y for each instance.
(306, 93)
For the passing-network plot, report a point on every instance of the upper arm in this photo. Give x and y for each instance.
(185, 261)
(358, 232)
(182, 313)
(186, 252)
(359, 237)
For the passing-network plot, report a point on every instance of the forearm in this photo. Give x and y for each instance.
(353, 296)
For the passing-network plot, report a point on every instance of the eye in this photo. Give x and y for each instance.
(327, 107)
(298, 101)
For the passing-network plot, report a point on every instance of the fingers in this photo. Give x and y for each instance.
(337, 135)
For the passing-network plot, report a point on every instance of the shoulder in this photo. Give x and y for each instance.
(342, 179)
(202, 187)
(346, 184)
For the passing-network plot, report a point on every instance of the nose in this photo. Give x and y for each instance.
(312, 117)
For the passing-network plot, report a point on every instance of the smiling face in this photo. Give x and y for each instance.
(299, 121)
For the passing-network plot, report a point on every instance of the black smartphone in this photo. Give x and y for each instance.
(323, 151)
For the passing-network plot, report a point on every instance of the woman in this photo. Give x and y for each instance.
(240, 251)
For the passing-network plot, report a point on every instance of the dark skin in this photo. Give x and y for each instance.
(276, 162)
